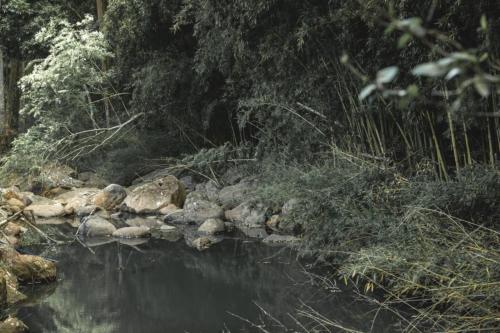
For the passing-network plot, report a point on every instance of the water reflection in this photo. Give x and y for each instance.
(166, 287)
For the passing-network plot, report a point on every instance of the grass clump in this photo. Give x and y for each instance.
(430, 245)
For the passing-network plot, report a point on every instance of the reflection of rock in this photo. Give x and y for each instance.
(95, 226)
(13, 325)
(149, 222)
(253, 232)
(202, 243)
(275, 239)
(132, 232)
(166, 232)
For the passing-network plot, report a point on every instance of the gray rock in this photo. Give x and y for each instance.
(188, 182)
(232, 196)
(248, 214)
(166, 232)
(132, 232)
(197, 209)
(275, 239)
(95, 226)
(212, 227)
(110, 197)
(233, 175)
(210, 190)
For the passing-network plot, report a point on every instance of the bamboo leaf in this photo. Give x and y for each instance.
(453, 73)
(367, 91)
(387, 75)
(430, 69)
(482, 87)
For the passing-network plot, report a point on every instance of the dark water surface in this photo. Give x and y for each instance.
(167, 287)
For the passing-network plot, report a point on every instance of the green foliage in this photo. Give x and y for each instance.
(59, 93)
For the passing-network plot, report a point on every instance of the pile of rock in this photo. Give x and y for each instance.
(154, 204)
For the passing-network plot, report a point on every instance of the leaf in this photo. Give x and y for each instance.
(404, 40)
(482, 87)
(387, 75)
(367, 91)
(453, 73)
(430, 69)
(484, 23)
(463, 56)
(412, 90)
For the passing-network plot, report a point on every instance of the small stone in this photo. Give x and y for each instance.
(166, 232)
(212, 227)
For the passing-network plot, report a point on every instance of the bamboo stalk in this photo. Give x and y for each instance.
(439, 155)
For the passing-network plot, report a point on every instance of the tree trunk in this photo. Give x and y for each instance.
(101, 8)
(2, 103)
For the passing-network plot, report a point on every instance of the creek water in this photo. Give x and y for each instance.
(157, 286)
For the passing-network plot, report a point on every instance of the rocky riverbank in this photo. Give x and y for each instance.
(158, 205)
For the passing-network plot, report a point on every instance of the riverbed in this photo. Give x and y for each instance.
(156, 286)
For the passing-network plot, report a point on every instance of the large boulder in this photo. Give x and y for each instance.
(13, 325)
(212, 227)
(96, 226)
(198, 209)
(30, 268)
(76, 199)
(110, 197)
(48, 209)
(233, 195)
(153, 196)
(132, 232)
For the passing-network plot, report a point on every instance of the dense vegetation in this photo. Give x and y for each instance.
(379, 116)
